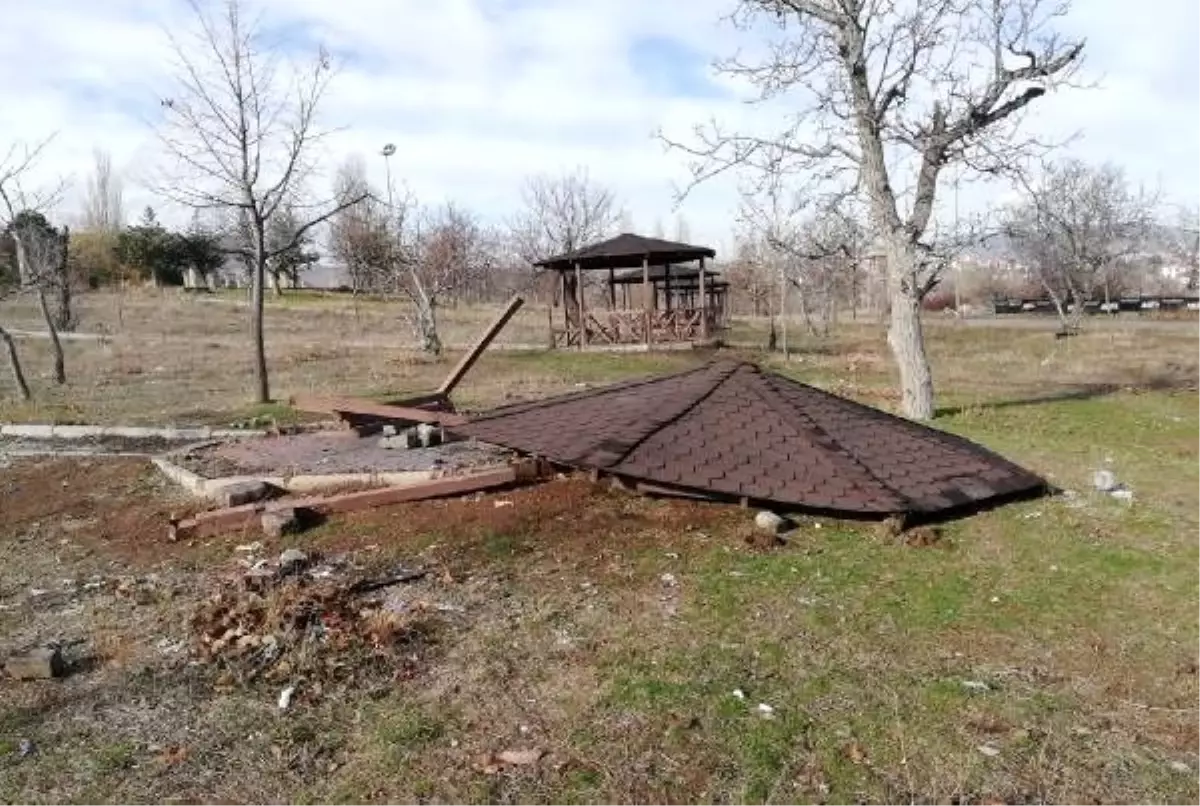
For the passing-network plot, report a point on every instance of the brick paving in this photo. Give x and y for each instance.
(730, 429)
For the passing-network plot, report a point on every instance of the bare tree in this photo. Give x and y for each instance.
(1077, 225)
(39, 251)
(239, 132)
(887, 95)
(440, 252)
(104, 205)
(1184, 244)
(561, 214)
(360, 236)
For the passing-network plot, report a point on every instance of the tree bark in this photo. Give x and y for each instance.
(261, 383)
(64, 316)
(14, 363)
(431, 342)
(60, 372)
(907, 339)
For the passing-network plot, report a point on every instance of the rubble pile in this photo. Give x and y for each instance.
(282, 622)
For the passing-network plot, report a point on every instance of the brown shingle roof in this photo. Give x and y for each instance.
(626, 251)
(730, 429)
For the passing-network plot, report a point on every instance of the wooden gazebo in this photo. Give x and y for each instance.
(677, 302)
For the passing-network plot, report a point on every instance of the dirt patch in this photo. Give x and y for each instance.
(329, 453)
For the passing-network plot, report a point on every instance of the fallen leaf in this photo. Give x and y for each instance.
(855, 753)
(519, 757)
(174, 755)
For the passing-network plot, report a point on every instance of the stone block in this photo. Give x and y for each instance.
(37, 664)
(238, 493)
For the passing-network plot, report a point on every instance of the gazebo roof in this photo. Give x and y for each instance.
(731, 430)
(625, 252)
(683, 276)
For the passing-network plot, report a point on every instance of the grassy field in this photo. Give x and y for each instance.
(1042, 652)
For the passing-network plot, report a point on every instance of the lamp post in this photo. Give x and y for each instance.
(387, 152)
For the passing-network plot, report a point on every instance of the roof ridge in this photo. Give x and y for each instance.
(710, 366)
(831, 443)
(528, 405)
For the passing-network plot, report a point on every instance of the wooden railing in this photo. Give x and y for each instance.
(629, 327)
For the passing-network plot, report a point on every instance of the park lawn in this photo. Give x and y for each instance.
(1043, 651)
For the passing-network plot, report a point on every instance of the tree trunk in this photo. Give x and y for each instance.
(427, 328)
(276, 286)
(14, 363)
(905, 335)
(64, 317)
(261, 383)
(60, 372)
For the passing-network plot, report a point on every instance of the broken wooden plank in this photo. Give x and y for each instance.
(467, 361)
(647, 488)
(205, 524)
(383, 411)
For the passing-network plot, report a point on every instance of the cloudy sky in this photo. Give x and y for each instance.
(478, 94)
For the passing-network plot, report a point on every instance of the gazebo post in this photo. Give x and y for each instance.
(612, 291)
(582, 311)
(703, 304)
(646, 296)
(667, 284)
(562, 282)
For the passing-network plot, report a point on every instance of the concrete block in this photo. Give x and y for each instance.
(31, 431)
(280, 522)
(38, 664)
(242, 492)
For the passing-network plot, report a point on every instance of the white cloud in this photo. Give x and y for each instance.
(477, 94)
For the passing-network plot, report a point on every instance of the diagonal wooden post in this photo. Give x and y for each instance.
(467, 361)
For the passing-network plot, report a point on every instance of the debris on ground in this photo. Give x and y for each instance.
(1105, 481)
(285, 698)
(280, 522)
(766, 711)
(276, 628)
(920, 536)
(493, 763)
(237, 493)
(976, 685)
(988, 750)
(292, 561)
(41, 663)
(771, 523)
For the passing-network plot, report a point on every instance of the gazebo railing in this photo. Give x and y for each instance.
(629, 327)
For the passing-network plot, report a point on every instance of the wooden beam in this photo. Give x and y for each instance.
(353, 405)
(612, 291)
(583, 339)
(467, 361)
(218, 521)
(703, 303)
(646, 296)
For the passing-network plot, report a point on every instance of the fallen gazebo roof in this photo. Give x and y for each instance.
(730, 431)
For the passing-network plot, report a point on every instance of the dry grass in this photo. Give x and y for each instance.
(611, 630)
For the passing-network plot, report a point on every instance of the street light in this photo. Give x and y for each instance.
(387, 152)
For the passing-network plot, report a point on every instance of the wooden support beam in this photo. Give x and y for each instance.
(467, 361)
(353, 405)
(646, 296)
(218, 521)
(612, 291)
(703, 303)
(583, 339)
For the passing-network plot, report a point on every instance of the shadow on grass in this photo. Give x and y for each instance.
(1087, 391)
